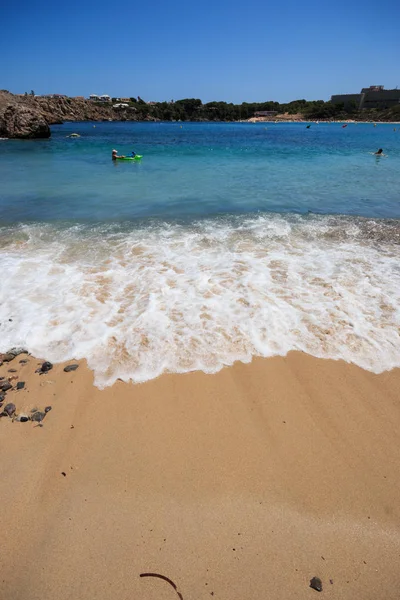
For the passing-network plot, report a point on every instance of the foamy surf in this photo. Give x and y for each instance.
(140, 301)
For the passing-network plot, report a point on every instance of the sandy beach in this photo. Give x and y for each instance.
(239, 485)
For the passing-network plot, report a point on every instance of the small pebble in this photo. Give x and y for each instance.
(69, 368)
(5, 386)
(20, 385)
(11, 354)
(316, 584)
(12, 370)
(38, 416)
(22, 418)
(10, 409)
(46, 366)
(23, 362)
(63, 474)
(47, 409)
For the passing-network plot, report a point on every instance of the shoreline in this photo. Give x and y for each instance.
(242, 484)
(317, 122)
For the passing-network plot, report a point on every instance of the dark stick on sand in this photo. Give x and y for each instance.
(165, 579)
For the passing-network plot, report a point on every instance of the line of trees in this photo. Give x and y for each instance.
(192, 109)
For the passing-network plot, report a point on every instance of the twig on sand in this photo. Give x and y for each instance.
(165, 579)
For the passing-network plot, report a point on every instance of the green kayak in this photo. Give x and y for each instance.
(136, 157)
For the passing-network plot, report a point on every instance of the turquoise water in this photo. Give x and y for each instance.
(194, 170)
(226, 241)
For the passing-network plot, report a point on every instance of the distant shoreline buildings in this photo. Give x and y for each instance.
(103, 98)
(373, 97)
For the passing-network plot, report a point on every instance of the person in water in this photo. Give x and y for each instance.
(380, 151)
(114, 155)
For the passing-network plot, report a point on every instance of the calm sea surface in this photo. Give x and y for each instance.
(224, 242)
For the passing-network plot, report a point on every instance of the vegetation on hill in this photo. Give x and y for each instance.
(29, 115)
(192, 109)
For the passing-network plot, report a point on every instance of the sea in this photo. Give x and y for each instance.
(226, 241)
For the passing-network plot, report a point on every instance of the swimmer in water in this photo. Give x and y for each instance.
(114, 155)
(378, 153)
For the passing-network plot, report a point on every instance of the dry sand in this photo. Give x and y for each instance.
(241, 485)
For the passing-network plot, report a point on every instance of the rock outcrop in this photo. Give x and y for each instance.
(58, 110)
(20, 120)
(29, 116)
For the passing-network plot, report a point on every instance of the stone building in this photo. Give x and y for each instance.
(373, 97)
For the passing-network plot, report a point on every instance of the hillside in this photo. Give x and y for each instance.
(28, 116)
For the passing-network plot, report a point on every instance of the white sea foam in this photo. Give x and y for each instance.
(142, 301)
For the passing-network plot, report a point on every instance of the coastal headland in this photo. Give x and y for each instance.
(29, 116)
(244, 484)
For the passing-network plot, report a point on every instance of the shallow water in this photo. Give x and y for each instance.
(226, 241)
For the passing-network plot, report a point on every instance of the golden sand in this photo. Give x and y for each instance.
(237, 486)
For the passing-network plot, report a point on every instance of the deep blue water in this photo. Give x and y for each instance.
(195, 170)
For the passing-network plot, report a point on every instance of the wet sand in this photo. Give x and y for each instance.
(240, 485)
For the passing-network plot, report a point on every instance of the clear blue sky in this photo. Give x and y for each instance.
(209, 49)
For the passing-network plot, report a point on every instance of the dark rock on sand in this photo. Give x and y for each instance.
(20, 385)
(2, 397)
(45, 368)
(38, 416)
(316, 584)
(69, 368)
(9, 409)
(17, 350)
(47, 409)
(11, 354)
(23, 419)
(12, 370)
(5, 386)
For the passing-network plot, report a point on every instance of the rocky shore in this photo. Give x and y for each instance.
(19, 119)
(15, 365)
(29, 117)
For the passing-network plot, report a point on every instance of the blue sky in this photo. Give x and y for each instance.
(213, 50)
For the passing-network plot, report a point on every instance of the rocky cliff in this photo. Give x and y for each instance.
(29, 117)
(21, 120)
(58, 110)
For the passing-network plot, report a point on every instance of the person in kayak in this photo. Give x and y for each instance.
(114, 155)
